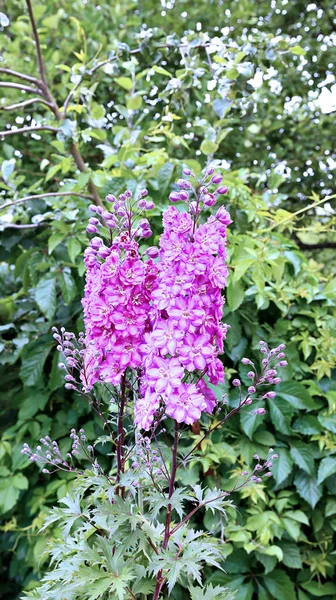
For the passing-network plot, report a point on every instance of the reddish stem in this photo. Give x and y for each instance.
(159, 578)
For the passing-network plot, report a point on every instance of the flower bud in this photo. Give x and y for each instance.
(260, 411)
(246, 361)
(209, 199)
(153, 252)
(223, 216)
(150, 205)
(210, 171)
(91, 229)
(236, 382)
(174, 197)
(184, 195)
(251, 375)
(186, 172)
(277, 380)
(216, 178)
(283, 363)
(223, 189)
(251, 389)
(110, 198)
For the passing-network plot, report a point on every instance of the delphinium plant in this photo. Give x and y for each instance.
(148, 364)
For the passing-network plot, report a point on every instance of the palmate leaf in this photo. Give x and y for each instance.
(186, 558)
(211, 593)
(158, 501)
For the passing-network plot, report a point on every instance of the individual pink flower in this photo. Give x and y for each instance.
(186, 312)
(128, 323)
(196, 352)
(127, 353)
(218, 272)
(186, 404)
(144, 410)
(209, 395)
(132, 272)
(165, 374)
(100, 312)
(166, 337)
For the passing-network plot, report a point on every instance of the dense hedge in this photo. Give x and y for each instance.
(138, 127)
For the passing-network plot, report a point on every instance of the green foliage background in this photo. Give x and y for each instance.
(165, 97)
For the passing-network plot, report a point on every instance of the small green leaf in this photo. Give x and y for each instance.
(234, 295)
(307, 424)
(328, 422)
(33, 359)
(45, 295)
(282, 466)
(281, 414)
(296, 394)
(161, 71)
(124, 82)
(291, 555)
(308, 488)
(327, 468)
(250, 421)
(279, 585)
(320, 590)
(54, 240)
(134, 103)
(74, 248)
(298, 51)
(68, 286)
(302, 455)
(208, 147)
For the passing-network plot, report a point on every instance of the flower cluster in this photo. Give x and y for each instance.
(118, 290)
(49, 453)
(187, 308)
(272, 361)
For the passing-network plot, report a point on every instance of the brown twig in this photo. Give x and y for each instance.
(28, 226)
(28, 130)
(25, 103)
(159, 578)
(120, 435)
(46, 195)
(19, 75)
(19, 86)
(37, 43)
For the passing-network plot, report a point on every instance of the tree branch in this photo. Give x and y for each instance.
(19, 75)
(20, 86)
(25, 226)
(37, 43)
(27, 130)
(41, 196)
(25, 103)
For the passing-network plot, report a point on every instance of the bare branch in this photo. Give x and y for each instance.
(40, 62)
(68, 98)
(47, 195)
(20, 86)
(19, 75)
(25, 103)
(27, 130)
(28, 226)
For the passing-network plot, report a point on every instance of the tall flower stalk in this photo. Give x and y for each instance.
(154, 332)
